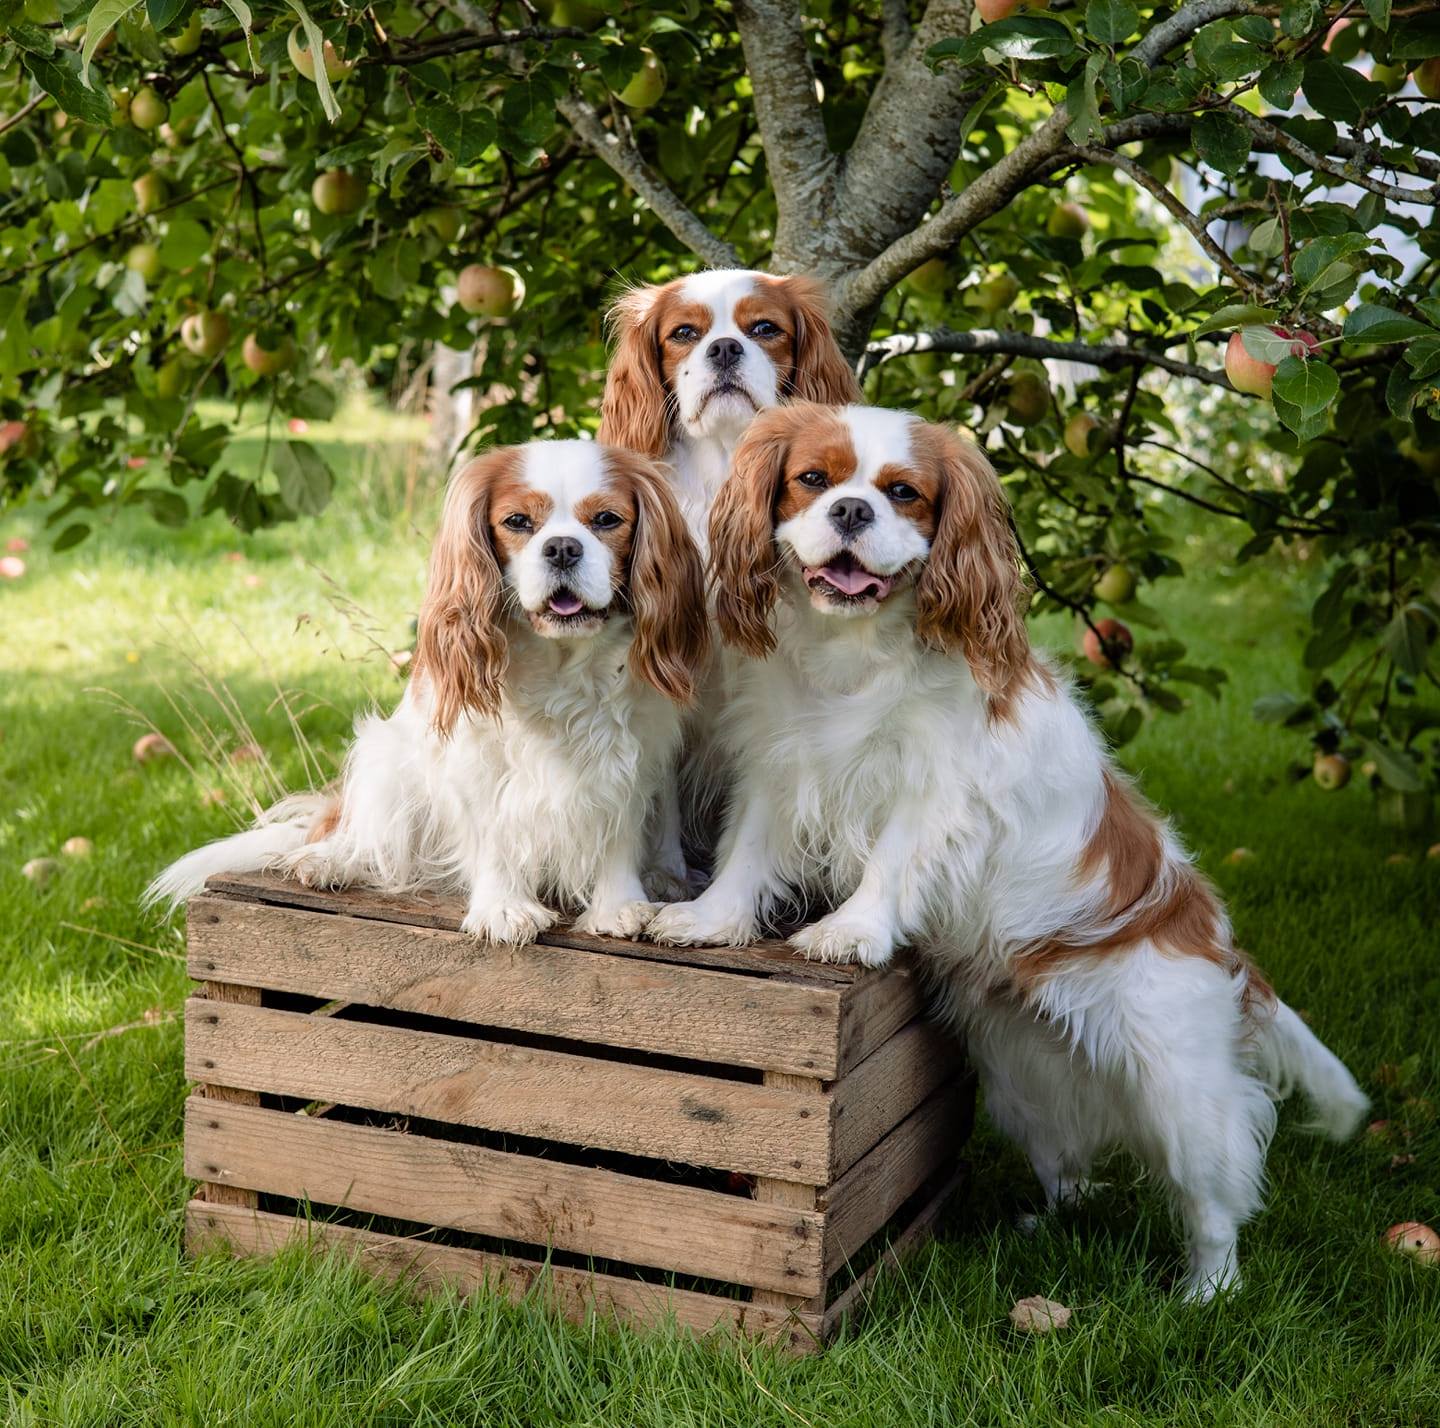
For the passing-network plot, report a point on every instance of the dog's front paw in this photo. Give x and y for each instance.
(692, 924)
(512, 922)
(313, 867)
(840, 939)
(626, 919)
(666, 884)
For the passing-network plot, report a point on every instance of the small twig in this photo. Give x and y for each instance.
(22, 113)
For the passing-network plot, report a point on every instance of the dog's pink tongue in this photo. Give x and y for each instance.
(851, 580)
(565, 603)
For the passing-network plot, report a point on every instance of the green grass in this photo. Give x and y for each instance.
(103, 1322)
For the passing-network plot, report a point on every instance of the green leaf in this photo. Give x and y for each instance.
(1111, 21)
(1022, 37)
(1222, 142)
(164, 13)
(1266, 345)
(305, 479)
(1280, 708)
(72, 535)
(1125, 82)
(316, 41)
(1379, 12)
(1315, 260)
(1311, 385)
(98, 23)
(619, 64)
(1371, 323)
(1279, 82)
(185, 243)
(60, 79)
(1236, 315)
(1418, 38)
(527, 112)
(1422, 356)
(463, 134)
(1397, 769)
(245, 20)
(32, 38)
(1082, 103)
(1407, 639)
(314, 401)
(1339, 92)
(167, 507)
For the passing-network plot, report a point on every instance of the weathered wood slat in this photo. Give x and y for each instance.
(864, 1199)
(572, 1292)
(765, 1022)
(765, 958)
(216, 1192)
(873, 1009)
(516, 1197)
(796, 1196)
(672, 1115)
(904, 1244)
(884, 1088)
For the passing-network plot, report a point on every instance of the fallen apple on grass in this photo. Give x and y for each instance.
(11, 567)
(1107, 631)
(17, 544)
(149, 748)
(1038, 1315)
(77, 847)
(1417, 1240)
(40, 870)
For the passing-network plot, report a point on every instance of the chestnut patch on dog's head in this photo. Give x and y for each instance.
(819, 444)
(511, 500)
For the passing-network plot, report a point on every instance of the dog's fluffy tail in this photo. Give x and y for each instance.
(1292, 1056)
(279, 830)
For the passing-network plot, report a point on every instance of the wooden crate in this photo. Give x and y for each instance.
(722, 1136)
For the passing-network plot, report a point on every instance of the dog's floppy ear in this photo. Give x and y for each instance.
(667, 584)
(460, 646)
(744, 558)
(635, 406)
(821, 373)
(969, 596)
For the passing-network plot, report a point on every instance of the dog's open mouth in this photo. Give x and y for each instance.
(564, 609)
(844, 578)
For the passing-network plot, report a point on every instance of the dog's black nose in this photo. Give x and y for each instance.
(724, 353)
(850, 514)
(562, 552)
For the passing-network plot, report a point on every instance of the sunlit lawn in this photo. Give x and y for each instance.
(101, 1321)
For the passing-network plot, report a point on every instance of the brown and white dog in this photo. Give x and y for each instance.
(563, 628)
(904, 757)
(698, 357)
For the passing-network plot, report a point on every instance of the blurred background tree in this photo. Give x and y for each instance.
(1162, 262)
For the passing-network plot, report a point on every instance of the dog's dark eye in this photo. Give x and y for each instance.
(607, 521)
(518, 521)
(902, 493)
(684, 333)
(813, 479)
(764, 328)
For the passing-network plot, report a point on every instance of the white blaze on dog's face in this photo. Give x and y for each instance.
(856, 506)
(562, 528)
(698, 357)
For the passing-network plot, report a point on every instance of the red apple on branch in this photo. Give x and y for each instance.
(1107, 632)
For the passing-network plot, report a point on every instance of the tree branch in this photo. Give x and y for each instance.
(1197, 227)
(23, 112)
(787, 109)
(1181, 25)
(1109, 357)
(895, 30)
(909, 138)
(621, 154)
(1286, 143)
(957, 216)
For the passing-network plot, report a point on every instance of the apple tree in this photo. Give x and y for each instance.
(1174, 265)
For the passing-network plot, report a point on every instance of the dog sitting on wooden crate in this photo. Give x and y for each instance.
(563, 628)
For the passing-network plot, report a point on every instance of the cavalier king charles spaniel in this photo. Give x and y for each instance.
(905, 757)
(563, 627)
(698, 357)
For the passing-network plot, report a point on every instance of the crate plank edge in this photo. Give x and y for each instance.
(583, 1118)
